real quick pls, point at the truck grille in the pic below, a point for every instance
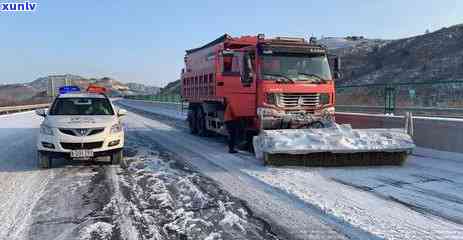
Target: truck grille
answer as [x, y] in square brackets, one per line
[294, 100]
[87, 145]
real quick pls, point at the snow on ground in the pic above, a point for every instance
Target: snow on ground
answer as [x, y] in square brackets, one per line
[98, 230]
[286, 216]
[20, 185]
[420, 200]
[172, 110]
[336, 139]
[155, 198]
[379, 215]
[160, 199]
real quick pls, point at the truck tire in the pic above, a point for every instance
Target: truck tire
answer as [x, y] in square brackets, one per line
[117, 157]
[201, 124]
[192, 122]
[44, 160]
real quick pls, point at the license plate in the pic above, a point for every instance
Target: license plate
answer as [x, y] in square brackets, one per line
[81, 153]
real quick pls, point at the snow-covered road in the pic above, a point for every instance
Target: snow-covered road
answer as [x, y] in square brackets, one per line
[20, 185]
[42, 204]
[156, 197]
[421, 200]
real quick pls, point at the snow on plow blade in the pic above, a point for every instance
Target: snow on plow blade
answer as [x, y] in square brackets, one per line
[339, 145]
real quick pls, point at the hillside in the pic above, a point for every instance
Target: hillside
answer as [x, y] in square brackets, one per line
[173, 88]
[138, 88]
[430, 57]
[36, 91]
[20, 94]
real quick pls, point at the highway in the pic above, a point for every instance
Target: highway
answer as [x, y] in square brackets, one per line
[420, 200]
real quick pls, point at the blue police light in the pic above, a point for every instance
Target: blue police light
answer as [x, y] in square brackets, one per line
[69, 89]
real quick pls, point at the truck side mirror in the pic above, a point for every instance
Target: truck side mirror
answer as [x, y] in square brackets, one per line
[337, 64]
[337, 68]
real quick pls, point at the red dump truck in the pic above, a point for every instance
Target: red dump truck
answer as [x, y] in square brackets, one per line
[271, 83]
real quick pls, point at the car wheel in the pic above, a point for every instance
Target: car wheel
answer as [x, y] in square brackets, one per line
[116, 157]
[44, 160]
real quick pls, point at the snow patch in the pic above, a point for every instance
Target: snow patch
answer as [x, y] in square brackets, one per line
[379, 216]
[214, 236]
[336, 139]
[99, 230]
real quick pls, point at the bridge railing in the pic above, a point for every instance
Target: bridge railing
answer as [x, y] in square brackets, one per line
[167, 98]
[439, 98]
[13, 109]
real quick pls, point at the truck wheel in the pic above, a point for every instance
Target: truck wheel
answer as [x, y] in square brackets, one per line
[44, 160]
[192, 121]
[116, 157]
[201, 123]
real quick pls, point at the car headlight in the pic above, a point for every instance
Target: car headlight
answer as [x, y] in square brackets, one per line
[46, 130]
[324, 98]
[116, 128]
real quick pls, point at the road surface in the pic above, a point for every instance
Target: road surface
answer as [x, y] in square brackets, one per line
[420, 200]
[154, 197]
[179, 186]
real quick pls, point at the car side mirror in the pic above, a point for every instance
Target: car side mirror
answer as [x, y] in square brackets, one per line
[41, 112]
[121, 112]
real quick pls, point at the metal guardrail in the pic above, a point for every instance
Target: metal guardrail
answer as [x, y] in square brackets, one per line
[13, 109]
[429, 98]
[417, 111]
[170, 98]
[445, 134]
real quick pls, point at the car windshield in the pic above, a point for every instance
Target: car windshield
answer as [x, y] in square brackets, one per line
[290, 68]
[81, 106]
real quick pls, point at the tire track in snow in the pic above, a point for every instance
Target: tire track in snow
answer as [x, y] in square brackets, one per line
[293, 215]
[423, 175]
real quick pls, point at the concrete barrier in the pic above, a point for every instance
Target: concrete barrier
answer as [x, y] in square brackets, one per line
[445, 134]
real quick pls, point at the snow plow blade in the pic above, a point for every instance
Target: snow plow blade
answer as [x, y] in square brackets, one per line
[339, 145]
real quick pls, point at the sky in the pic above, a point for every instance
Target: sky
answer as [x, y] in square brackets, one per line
[144, 41]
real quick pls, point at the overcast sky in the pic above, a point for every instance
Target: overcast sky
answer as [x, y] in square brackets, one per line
[144, 41]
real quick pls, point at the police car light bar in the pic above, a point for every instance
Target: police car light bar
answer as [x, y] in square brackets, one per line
[68, 89]
[96, 89]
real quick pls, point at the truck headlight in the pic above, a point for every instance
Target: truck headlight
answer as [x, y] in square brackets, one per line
[271, 98]
[330, 110]
[324, 98]
[46, 130]
[116, 128]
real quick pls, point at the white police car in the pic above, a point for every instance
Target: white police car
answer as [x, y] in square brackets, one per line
[80, 125]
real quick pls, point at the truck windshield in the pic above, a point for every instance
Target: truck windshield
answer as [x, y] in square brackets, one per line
[290, 68]
[81, 106]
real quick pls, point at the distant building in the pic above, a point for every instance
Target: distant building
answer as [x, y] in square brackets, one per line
[57, 81]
